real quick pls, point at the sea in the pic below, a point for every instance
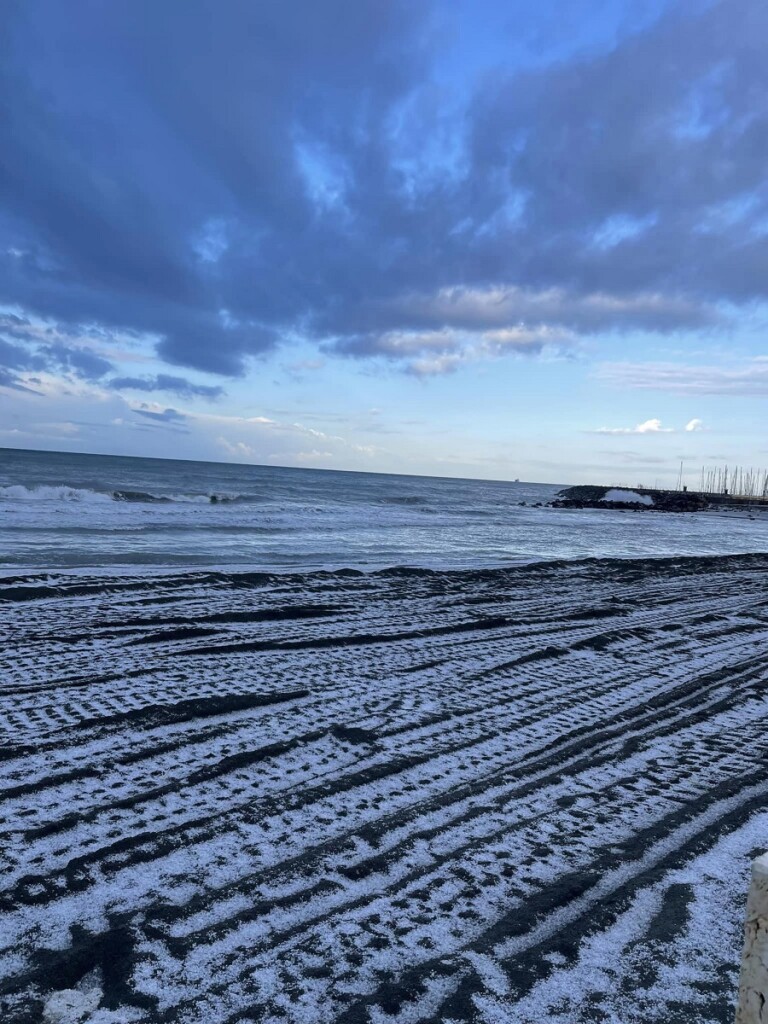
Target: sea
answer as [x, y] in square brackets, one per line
[76, 511]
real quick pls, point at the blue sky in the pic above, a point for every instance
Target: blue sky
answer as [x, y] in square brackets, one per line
[478, 239]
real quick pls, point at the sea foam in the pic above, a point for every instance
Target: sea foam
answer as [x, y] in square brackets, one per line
[43, 492]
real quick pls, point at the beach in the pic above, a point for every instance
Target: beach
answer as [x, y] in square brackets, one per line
[514, 794]
[383, 512]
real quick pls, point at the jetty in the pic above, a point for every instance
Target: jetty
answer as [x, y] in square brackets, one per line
[735, 489]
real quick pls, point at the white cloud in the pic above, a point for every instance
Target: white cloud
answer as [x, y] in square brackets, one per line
[505, 305]
[527, 339]
[434, 333]
[239, 449]
[747, 378]
[434, 366]
[311, 456]
[620, 228]
[258, 439]
[652, 426]
[694, 424]
[301, 366]
[64, 428]
[212, 241]
[431, 353]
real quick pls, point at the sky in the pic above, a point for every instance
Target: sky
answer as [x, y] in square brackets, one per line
[465, 238]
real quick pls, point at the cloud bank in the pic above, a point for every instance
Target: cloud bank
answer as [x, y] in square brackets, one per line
[226, 180]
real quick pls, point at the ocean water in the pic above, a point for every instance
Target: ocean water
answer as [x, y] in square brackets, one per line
[82, 511]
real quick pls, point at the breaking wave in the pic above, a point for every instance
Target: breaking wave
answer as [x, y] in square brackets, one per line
[17, 492]
[63, 492]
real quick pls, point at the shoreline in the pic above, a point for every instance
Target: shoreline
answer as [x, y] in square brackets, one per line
[151, 569]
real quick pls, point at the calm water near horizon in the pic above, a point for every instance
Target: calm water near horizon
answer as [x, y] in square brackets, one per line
[69, 511]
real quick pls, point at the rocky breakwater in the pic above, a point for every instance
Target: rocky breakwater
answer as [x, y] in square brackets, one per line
[639, 500]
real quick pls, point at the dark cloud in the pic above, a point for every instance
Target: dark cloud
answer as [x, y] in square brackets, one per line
[14, 358]
[42, 348]
[17, 357]
[162, 416]
[15, 326]
[81, 362]
[221, 176]
[9, 379]
[165, 382]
